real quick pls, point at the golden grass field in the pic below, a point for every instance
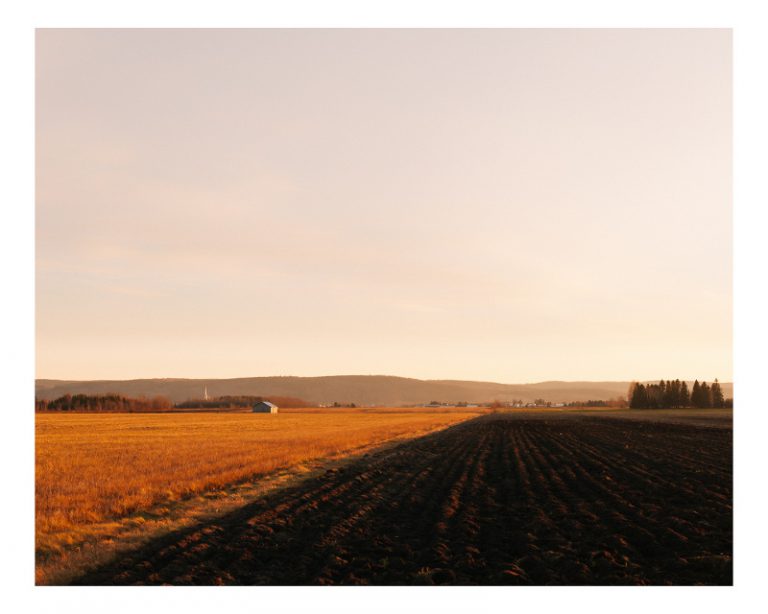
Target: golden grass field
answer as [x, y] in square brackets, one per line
[92, 470]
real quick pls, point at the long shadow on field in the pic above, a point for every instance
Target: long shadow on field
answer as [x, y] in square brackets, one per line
[501, 499]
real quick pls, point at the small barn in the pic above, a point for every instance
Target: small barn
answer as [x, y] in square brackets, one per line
[265, 407]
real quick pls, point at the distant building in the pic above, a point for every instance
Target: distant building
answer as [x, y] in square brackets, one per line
[265, 407]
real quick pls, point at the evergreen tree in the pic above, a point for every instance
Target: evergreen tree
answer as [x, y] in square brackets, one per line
[674, 396]
[631, 392]
[639, 399]
[670, 395]
[685, 397]
[717, 395]
[696, 394]
[656, 396]
[706, 395]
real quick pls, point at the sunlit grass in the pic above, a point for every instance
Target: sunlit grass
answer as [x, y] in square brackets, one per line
[93, 467]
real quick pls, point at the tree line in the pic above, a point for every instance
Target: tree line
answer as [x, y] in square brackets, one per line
[119, 403]
[618, 403]
[241, 402]
[674, 394]
[223, 402]
[104, 403]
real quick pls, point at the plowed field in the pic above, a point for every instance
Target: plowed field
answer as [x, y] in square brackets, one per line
[501, 499]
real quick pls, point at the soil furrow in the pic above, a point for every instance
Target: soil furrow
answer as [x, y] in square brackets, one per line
[501, 499]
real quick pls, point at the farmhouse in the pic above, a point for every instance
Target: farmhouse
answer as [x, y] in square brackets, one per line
[265, 407]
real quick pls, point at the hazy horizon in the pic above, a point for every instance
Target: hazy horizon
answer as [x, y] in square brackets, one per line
[389, 375]
[483, 205]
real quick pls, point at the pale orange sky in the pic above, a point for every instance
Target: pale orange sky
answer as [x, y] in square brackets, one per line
[508, 205]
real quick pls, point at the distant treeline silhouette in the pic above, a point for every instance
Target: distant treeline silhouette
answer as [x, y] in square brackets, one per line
[617, 403]
[119, 403]
[241, 401]
[104, 403]
[674, 394]
[224, 402]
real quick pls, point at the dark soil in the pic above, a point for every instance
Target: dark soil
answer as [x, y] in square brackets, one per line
[501, 499]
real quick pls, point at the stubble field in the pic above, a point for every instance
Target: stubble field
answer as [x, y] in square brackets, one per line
[98, 476]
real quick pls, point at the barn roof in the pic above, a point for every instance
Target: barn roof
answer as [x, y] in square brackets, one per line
[267, 403]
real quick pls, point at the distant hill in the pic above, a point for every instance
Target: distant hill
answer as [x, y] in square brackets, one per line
[359, 389]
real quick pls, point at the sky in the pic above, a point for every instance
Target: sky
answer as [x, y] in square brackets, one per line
[499, 205]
